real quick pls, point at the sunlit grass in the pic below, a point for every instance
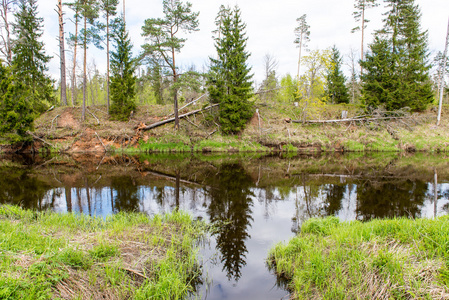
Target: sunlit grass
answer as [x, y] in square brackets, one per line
[46, 255]
[381, 259]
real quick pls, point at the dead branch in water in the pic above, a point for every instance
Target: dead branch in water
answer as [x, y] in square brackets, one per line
[157, 124]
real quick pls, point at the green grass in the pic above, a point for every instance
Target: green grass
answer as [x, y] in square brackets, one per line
[124, 256]
[381, 259]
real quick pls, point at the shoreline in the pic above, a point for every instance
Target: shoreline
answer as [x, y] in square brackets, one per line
[268, 131]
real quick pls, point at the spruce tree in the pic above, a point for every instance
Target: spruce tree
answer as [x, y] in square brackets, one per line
[403, 47]
[336, 88]
[16, 113]
[123, 80]
[29, 59]
[379, 79]
[229, 82]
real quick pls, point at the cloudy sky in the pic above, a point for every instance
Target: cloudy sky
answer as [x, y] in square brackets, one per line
[270, 26]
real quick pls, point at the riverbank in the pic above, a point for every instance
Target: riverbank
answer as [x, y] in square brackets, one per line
[46, 255]
[270, 130]
[380, 259]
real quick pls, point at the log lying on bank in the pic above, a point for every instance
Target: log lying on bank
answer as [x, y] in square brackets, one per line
[190, 103]
[347, 120]
[157, 124]
[39, 139]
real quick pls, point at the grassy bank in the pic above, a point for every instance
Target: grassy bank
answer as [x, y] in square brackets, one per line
[46, 255]
[381, 259]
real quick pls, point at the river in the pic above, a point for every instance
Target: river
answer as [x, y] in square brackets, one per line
[254, 200]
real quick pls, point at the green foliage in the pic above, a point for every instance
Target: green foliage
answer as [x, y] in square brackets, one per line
[163, 41]
[16, 113]
[123, 80]
[29, 59]
[396, 69]
[161, 33]
[337, 92]
[229, 78]
[288, 92]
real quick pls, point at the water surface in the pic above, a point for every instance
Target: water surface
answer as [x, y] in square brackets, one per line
[255, 201]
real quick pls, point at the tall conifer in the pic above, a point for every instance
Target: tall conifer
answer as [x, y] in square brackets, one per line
[230, 79]
[403, 49]
[29, 59]
[336, 88]
[16, 112]
[123, 80]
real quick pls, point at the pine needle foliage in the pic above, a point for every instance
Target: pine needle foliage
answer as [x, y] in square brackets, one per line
[229, 81]
[397, 68]
[16, 113]
[336, 88]
[29, 59]
[123, 81]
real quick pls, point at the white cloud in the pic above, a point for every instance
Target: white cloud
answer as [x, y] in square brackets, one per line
[270, 26]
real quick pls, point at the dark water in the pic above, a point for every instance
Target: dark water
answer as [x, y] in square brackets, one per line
[256, 201]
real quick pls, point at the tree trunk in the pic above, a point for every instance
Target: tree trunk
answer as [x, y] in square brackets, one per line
[83, 114]
[73, 94]
[62, 54]
[124, 12]
[6, 6]
[92, 87]
[363, 35]
[175, 79]
[107, 54]
[299, 60]
[443, 68]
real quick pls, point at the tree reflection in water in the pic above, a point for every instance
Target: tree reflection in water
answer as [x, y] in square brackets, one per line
[126, 194]
[389, 200]
[230, 207]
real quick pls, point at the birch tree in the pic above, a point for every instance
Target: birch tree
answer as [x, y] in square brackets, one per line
[6, 8]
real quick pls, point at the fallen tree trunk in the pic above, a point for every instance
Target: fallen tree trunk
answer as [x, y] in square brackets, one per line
[157, 124]
[347, 120]
[39, 139]
[190, 103]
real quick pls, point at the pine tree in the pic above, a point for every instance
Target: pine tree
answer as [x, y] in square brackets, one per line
[403, 48]
[16, 113]
[302, 33]
[89, 10]
[336, 88]
[123, 80]
[230, 80]
[360, 16]
[163, 41]
[109, 8]
[29, 59]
